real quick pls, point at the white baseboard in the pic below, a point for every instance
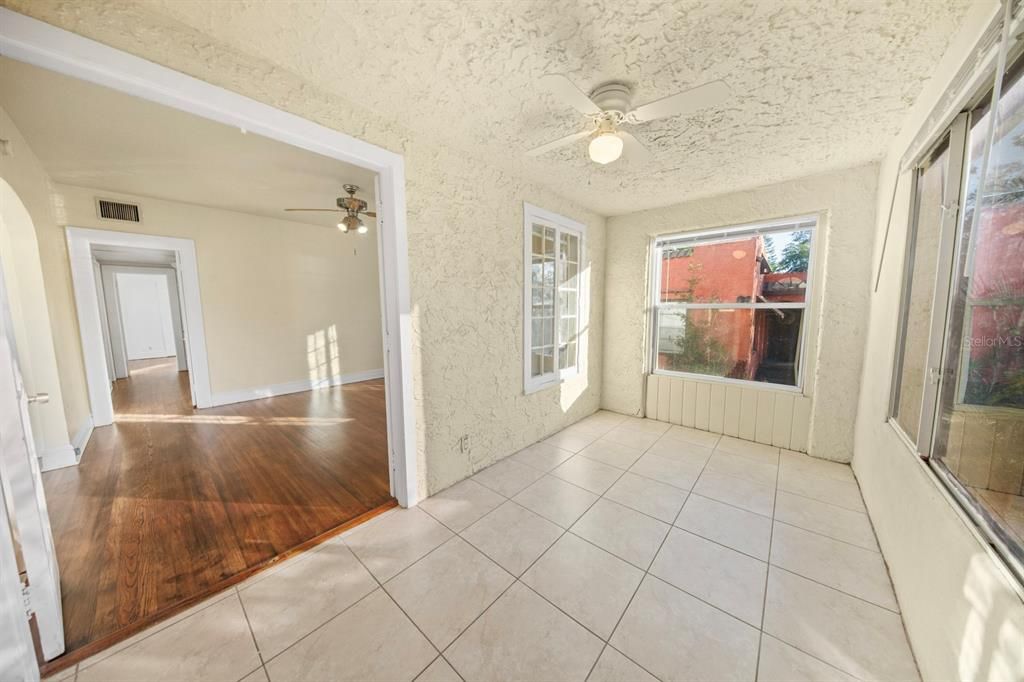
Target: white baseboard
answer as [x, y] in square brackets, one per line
[69, 454]
[58, 458]
[247, 394]
[81, 439]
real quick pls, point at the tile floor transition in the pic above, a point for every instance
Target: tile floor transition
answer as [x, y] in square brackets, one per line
[618, 549]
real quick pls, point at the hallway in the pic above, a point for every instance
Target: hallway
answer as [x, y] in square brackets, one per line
[170, 504]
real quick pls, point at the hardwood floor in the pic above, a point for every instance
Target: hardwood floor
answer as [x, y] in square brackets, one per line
[170, 502]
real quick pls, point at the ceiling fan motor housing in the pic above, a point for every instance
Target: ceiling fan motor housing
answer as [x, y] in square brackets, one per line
[350, 203]
[614, 96]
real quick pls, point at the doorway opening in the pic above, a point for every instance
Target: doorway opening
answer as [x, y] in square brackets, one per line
[211, 462]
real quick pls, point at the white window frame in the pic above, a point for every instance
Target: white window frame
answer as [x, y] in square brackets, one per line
[697, 238]
[535, 215]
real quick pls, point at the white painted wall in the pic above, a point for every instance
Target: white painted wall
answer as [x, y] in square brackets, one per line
[146, 315]
[25, 206]
[283, 302]
[844, 202]
[963, 612]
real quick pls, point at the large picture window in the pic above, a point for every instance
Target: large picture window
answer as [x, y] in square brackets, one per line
[556, 298]
[731, 304]
[958, 390]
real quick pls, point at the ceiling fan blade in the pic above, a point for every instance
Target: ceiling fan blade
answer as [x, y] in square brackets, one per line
[634, 149]
[560, 142]
[564, 89]
[685, 102]
[369, 213]
[327, 210]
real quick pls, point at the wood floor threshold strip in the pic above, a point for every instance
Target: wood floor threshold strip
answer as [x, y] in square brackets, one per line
[78, 655]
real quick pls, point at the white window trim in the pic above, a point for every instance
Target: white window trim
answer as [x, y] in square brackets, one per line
[729, 233]
[531, 215]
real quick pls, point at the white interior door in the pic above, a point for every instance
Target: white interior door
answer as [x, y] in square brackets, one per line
[17, 654]
[23, 492]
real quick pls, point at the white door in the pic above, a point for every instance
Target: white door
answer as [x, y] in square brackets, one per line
[17, 654]
[23, 492]
[146, 315]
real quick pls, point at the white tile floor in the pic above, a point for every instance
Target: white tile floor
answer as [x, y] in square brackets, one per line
[619, 549]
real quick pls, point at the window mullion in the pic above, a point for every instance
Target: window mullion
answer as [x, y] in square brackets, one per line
[556, 332]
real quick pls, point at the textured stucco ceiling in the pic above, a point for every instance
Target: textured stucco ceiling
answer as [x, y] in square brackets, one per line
[818, 84]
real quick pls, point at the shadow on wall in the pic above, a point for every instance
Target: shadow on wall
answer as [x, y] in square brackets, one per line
[987, 624]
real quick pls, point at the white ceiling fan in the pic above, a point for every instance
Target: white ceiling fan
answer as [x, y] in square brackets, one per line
[609, 107]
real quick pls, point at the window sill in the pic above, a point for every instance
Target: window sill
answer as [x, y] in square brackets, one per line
[759, 385]
[550, 383]
[964, 508]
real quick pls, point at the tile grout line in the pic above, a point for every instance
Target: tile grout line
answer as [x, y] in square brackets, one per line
[321, 625]
[518, 579]
[515, 579]
[810, 655]
[154, 629]
[767, 572]
[646, 573]
[384, 590]
[252, 634]
[836, 589]
[827, 536]
[772, 519]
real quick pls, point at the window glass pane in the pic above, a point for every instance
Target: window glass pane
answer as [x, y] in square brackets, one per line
[979, 436]
[923, 249]
[570, 247]
[755, 268]
[548, 357]
[738, 343]
[567, 332]
[542, 296]
[568, 289]
[567, 356]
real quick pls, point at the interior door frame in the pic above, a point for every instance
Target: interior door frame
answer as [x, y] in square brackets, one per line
[90, 323]
[35, 42]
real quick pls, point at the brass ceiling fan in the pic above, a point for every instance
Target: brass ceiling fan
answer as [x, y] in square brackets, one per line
[351, 207]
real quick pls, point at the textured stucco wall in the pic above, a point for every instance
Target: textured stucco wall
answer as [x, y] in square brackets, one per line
[845, 201]
[465, 246]
[963, 611]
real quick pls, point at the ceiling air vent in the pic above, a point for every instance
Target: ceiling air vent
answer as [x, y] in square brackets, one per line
[116, 210]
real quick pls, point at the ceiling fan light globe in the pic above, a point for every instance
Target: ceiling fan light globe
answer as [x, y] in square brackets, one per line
[350, 222]
[362, 229]
[605, 148]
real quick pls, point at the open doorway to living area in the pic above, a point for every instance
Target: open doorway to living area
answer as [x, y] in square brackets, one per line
[221, 357]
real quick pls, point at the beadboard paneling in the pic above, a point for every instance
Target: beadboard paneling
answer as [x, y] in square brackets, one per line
[779, 418]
